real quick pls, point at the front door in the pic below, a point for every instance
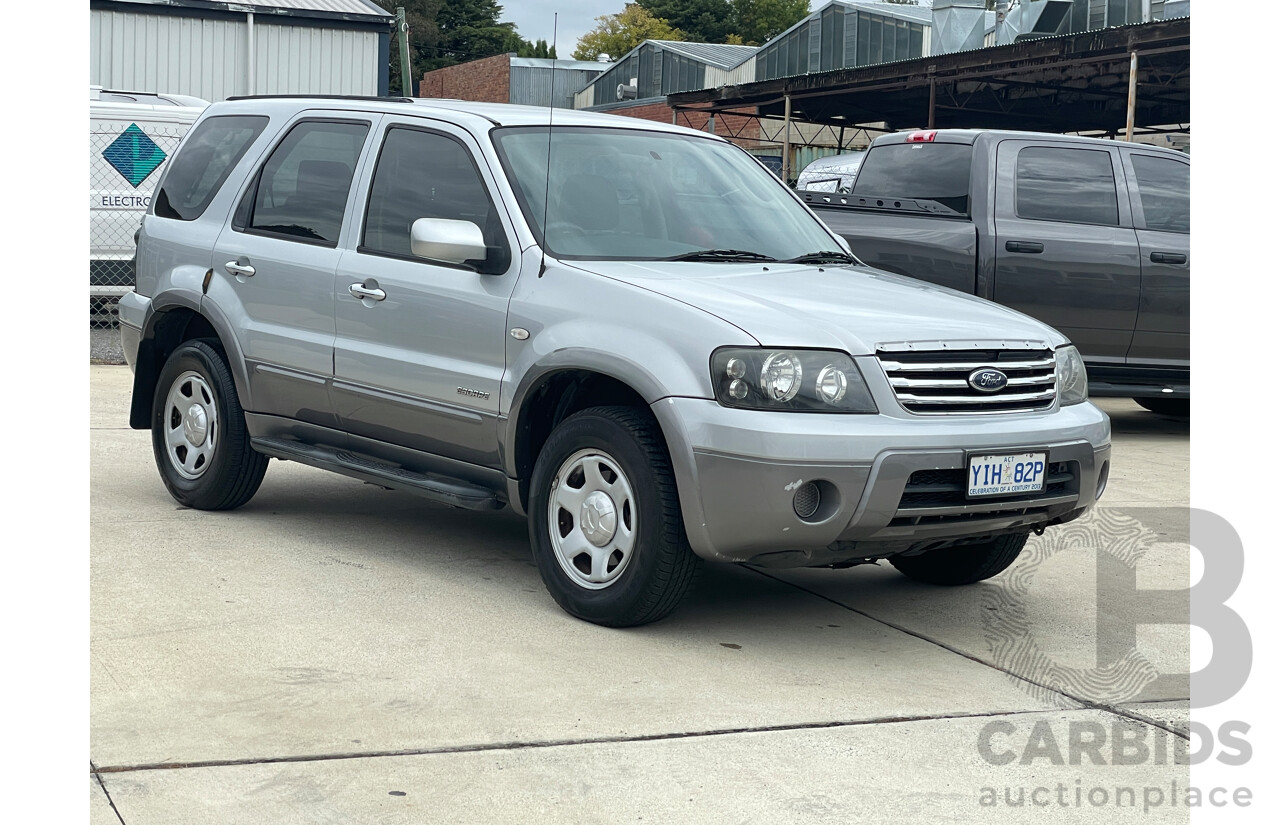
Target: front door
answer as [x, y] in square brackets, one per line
[1066, 251]
[421, 344]
[1162, 212]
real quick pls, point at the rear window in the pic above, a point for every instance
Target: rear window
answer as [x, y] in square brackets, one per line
[937, 172]
[206, 158]
[1165, 189]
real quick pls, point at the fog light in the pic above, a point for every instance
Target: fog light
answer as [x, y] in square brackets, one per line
[807, 500]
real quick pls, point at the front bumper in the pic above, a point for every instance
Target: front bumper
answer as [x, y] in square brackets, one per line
[738, 472]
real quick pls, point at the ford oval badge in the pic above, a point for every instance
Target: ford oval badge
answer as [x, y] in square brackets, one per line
[987, 379]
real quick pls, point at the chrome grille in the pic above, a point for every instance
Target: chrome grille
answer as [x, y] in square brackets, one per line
[936, 382]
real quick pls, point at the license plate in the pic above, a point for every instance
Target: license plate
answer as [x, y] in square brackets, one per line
[1006, 475]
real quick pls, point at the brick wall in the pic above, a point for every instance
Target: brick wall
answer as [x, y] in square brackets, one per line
[487, 80]
[744, 131]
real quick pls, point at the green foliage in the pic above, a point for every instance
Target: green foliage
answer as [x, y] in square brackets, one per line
[446, 32]
[617, 34]
[756, 21]
[701, 21]
[539, 49]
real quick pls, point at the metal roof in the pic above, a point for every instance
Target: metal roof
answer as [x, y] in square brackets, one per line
[328, 8]
[1066, 83]
[560, 65]
[720, 55]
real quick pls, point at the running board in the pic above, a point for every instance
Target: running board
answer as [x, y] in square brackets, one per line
[430, 485]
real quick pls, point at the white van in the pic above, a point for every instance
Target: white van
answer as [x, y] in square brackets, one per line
[131, 135]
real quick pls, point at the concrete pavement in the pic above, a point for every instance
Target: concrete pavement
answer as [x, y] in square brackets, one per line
[330, 643]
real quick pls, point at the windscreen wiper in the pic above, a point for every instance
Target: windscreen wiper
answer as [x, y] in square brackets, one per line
[728, 255]
[824, 257]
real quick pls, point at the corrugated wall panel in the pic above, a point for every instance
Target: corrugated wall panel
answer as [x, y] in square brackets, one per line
[208, 58]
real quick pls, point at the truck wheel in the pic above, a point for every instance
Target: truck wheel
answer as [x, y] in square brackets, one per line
[962, 565]
[198, 432]
[605, 522]
[1179, 407]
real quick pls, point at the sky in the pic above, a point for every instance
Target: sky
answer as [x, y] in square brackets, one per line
[534, 19]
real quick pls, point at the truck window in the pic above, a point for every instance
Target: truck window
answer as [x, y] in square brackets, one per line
[1164, 189]
[301, 192]
[1068, 185]
[426, 175]
[937, 172]
[205, 160]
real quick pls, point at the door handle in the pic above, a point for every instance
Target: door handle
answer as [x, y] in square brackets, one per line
[1029, 247]
[240, 270]
[1168, 258]
[361, 291]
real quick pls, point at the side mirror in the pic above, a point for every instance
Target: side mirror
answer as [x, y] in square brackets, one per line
[450, 241]
[844, 243]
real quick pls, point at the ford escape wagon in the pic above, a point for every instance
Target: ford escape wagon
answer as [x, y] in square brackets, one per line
[630, 332]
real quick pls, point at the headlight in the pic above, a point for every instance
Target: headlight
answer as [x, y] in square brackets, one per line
[797, 380]
[1073, 383]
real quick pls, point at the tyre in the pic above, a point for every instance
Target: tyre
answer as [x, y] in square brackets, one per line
[604, 519]
[962, 565]
[198, 432]
[1180, 407]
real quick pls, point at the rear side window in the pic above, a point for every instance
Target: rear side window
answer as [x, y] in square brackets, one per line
[301, 192]
[1164, 187]
[207, 157]
[937, 172]
[1067, 185]
[427, 175]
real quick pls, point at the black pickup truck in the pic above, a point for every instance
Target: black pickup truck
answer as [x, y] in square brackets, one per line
[1091, 236]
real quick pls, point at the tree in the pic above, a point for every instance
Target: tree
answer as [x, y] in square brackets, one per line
[446, 32]
[539, 49]
[701, 21]
[617, 34]
[756, 21]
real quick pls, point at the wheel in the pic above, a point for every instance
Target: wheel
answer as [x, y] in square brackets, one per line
[962, 565]
[605, 522]
[198, 432]
[1180, 407]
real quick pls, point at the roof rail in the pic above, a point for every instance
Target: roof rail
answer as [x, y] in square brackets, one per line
[323, 97]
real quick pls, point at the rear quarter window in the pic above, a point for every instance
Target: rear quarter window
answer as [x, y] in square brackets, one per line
[206, 158]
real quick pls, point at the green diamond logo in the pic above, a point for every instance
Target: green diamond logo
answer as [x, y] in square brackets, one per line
[134, 155]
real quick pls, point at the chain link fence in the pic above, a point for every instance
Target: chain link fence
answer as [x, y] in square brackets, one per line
[118, 196]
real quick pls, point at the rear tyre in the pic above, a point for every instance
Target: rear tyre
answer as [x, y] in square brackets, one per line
[198, 432]
[1179, 407]
[604, 519]
[962, 565]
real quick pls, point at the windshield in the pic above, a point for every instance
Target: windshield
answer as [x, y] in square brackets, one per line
[937, 172]
[644, 195]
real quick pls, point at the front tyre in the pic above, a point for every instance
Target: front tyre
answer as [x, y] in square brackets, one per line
[604, 519]
[198, 432]
[962, 565]
[1176, 407]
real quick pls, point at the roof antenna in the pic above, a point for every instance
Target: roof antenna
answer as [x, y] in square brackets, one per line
[551, 111]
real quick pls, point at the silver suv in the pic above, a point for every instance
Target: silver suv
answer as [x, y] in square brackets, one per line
[630, 332]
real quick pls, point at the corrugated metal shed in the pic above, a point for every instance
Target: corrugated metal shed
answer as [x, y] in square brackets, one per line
[720, 55]
[216, 50]
[539, 81]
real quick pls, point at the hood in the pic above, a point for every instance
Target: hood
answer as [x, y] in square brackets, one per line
[850, 308]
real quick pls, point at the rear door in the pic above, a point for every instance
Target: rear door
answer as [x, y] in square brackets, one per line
[1066, 251]
[277, 257]
[1161, 186]
[421, 344]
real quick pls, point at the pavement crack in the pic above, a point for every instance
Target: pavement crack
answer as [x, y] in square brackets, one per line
[98, 776]
[1084, 702]
[558, 743]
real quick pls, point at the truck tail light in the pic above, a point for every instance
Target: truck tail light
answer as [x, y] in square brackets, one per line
[922, 137]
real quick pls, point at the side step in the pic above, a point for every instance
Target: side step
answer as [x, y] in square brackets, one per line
[430, 485]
